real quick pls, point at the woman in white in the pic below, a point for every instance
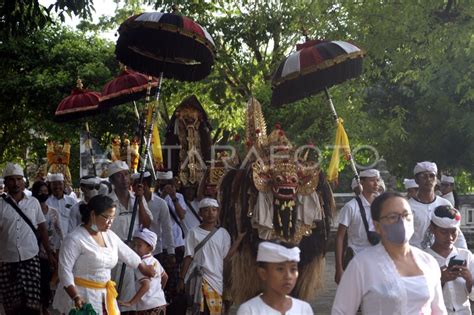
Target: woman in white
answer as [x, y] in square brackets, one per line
[391, 277]
[86, 258]
[457, 264]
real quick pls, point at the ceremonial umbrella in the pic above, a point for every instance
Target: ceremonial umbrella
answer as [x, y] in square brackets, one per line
[158, 43]
[80, 103]
[165, 45]
[129, 86]
[314, 67]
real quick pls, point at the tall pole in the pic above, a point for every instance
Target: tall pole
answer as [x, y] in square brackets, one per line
[142, 168]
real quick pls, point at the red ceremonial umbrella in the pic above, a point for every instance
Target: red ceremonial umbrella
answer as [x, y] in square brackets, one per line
[314, 67]
[127, 87]
[80, 103]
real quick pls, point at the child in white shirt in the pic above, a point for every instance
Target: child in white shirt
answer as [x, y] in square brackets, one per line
[150, 297]
[277, 267]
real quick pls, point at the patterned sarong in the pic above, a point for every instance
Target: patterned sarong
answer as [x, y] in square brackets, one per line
[160, 310]
[212, 298]
[20, 285]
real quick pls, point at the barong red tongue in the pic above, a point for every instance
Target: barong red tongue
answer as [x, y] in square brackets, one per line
[275, 253]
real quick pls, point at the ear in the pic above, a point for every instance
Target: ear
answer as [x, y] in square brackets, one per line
[378, 227]
[262, 273]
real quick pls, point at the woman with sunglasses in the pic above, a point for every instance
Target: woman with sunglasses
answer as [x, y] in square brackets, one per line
[87, 257]
[392, 277]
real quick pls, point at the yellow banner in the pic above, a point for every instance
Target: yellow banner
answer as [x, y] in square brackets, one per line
[341, 143]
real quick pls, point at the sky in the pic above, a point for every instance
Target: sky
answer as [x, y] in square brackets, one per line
[102, 7]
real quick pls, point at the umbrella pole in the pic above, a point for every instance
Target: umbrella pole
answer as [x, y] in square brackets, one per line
[91, 151]
[336, 118]
[142, 168]
[149, 157]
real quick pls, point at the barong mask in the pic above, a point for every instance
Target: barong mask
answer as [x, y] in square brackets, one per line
[285, 178]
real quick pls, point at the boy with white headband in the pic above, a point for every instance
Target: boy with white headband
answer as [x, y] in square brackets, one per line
[457, 264]
[150, 298]
[277, 267]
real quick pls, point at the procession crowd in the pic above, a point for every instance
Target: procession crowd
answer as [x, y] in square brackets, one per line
[405, 253]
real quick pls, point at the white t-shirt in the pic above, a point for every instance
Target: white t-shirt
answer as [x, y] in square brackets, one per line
[211, 255]
[64, 206]
[161, 225]
[449, 197]
[256, 306]
[177, 231]
[350, 217]
[155, 296]
[422, 220]
[190, 219]
[454, 292]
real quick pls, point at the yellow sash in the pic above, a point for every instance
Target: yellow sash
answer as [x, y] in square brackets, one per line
[109, 286]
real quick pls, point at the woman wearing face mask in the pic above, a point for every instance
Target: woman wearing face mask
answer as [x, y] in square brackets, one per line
[391, 277]
[87, 257]
[40, 191]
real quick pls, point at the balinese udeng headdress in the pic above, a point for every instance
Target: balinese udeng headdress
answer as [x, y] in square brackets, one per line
[445, 222]
[276, 253]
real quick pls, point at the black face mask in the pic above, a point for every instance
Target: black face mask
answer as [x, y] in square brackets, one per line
[42, 198]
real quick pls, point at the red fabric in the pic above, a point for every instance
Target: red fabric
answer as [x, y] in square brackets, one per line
[190, 25]
[126, 80]
[309, 43]
[79, 100]
[309, 57]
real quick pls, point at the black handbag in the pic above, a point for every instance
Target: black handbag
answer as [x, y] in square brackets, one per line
[373, 237]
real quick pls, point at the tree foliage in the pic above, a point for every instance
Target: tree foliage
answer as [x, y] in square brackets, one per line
[413, 102]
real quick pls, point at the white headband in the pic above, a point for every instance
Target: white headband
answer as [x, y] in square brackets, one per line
[117, 166]
[447, 223]
[164, 175]
[447, 179]
[90, 181]
[13, 169]
[275, 253]
[370, 173]
[57, 177]
[137, 175]
[147, 236]
[208, 202]
[425, 167]
[410, 183]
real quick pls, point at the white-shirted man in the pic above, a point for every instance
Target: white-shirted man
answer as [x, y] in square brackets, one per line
[124, 199]
[424, 203]
[59, 200]
[351, 221]
[411, 187]
[161, 223]
[19, 262]
[447, 189]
